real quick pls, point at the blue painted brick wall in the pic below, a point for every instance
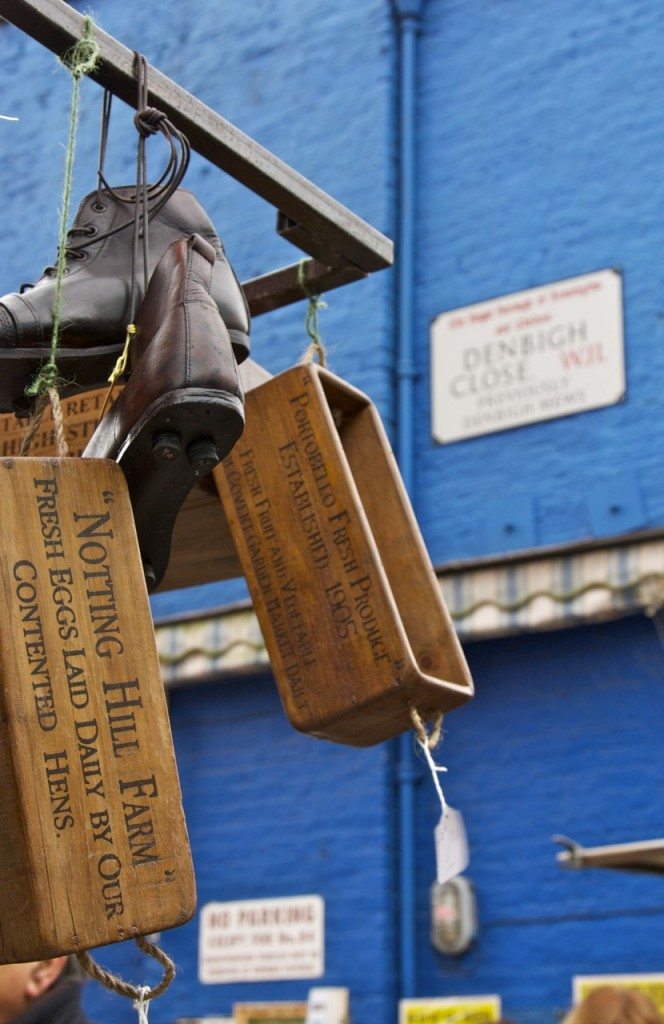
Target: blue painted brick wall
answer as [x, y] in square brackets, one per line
[563, 736]
[273, 813]
[540, 157]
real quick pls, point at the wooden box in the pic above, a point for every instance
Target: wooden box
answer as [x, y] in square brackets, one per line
[93, 843]
[352, 615]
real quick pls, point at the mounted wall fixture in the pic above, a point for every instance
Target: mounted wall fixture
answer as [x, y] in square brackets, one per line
[453, 916]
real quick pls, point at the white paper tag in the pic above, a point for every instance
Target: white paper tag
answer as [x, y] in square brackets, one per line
[451, 845]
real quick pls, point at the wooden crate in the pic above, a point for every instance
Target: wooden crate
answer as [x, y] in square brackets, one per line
[350, 608]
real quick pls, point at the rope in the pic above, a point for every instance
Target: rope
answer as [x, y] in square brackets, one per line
[79, 61]
[58, 420]
[33, 426]
[53, 397]
[427, 740]
[315, 346]
[139, 993]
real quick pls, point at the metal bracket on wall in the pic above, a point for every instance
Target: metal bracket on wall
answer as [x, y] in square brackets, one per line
[345, 248]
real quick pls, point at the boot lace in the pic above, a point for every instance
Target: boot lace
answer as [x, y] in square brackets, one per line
[73, 252]
[147, 199]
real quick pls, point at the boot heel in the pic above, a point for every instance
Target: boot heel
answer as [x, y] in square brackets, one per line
[178, 440]
[167, 447]
[203, 456]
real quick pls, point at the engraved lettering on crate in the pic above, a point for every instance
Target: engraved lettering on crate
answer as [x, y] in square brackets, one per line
[92, 708]
[311, 561]
[81, 413]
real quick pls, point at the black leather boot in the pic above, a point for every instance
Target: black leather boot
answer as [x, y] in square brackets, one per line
[182, 408]
[96, 294]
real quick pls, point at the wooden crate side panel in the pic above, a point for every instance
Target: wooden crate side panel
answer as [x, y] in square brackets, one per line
[428, 624]
[89, 739]
[339, 645]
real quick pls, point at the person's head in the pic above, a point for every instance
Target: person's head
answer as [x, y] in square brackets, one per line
[608, 1005]
[21, 984]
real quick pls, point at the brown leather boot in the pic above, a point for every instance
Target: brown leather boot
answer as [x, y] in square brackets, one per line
[182, 408]
[96, 293]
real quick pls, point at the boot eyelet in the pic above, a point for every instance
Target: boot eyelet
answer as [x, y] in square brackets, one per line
[98, 207]
[91, 229]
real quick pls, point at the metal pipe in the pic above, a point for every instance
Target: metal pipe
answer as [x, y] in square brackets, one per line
[408, 15]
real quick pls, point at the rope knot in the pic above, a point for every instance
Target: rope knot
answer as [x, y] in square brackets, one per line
[149, 121]
[47, 378]
[426, 739]
[83, 57]
[314, 303]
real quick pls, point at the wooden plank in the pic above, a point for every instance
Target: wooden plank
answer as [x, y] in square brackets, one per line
[349, 606]
[282, 287]
[93, 843]
[303, 239]
[57, 26]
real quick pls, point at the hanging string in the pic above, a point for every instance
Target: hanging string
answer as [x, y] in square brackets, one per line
[315, 346]
[428, 742]
[79, 61]
[142, 1005]
[146, 121]
[118, 370]
[141, 994]
[147, 200]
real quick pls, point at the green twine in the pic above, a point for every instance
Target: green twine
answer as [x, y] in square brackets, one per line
[80, 60]
[311, 318]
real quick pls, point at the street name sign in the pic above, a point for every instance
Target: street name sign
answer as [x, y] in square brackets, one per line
[527, 357]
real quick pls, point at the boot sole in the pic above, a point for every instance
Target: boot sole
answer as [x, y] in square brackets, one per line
[80, 369]
[196, 421]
